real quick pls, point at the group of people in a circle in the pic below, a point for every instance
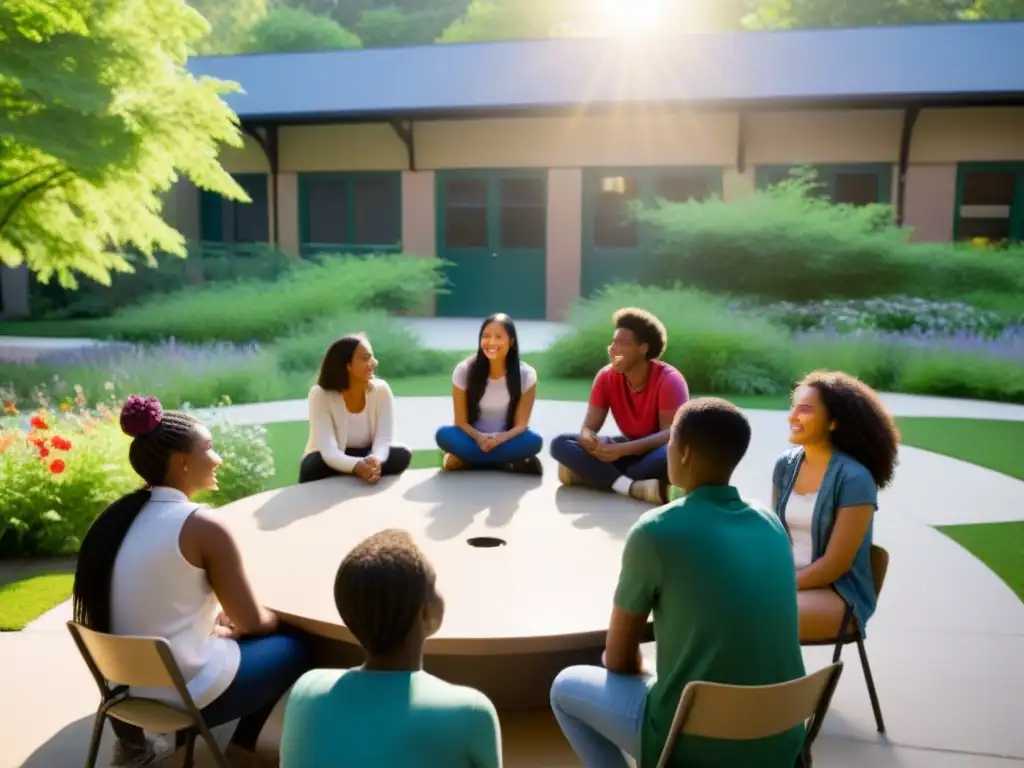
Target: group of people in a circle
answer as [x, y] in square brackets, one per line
[734, 586]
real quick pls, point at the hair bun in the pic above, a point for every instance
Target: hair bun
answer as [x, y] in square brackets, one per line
[141, 416]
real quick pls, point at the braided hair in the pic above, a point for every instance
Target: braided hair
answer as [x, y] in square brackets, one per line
[156, 436]
[381, 588]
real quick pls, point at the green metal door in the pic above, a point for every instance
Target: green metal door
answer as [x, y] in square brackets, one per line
[615, 247]
[492, 229]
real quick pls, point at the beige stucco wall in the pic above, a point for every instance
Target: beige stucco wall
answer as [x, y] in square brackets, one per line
[341, 148]
[836, 136]
[964, 135]
[931, 201]
[287, 212]
[419, 222]
[565, 240]
[246, 159]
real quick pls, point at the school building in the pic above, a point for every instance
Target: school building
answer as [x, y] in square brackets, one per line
[514, 160]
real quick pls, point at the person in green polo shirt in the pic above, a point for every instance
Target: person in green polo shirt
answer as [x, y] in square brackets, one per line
[388, 712]
[717, 572]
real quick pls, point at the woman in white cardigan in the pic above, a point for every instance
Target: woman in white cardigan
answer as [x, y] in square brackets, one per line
[351, 418]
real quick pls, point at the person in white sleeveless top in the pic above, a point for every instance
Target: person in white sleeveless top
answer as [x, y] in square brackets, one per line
[493, 393]
[351, 418]
[156, 564]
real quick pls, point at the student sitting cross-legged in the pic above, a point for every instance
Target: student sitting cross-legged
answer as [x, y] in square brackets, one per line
[493, 394]
[351, 418]
[716, 570]
[388, 712]
[643, 395]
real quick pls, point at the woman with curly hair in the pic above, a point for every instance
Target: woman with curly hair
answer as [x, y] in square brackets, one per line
[826, 494]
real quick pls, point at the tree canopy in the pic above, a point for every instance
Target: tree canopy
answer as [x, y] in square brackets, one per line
[294, 29]
[98, 118]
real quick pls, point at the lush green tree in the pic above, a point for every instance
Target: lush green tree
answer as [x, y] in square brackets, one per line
[230, 22]
[530, 19]
[98, 119]
[391, 26]
[293, 29]
[778, 14]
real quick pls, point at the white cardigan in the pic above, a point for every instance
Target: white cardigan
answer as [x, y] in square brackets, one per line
[328, 425]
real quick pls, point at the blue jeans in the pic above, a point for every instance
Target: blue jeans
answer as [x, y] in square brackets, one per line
[600, 713]
[567, 451]
[458, 443]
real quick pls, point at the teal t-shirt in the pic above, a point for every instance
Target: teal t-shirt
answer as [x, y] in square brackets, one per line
[361, 719]
[717, 572]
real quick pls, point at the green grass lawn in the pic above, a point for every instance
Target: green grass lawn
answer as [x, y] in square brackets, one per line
[26, 597]
[1000, 546]
[993, 444]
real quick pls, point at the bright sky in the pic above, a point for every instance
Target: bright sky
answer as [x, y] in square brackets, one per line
[632, 17]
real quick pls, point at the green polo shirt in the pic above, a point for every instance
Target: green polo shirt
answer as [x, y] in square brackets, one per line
[362, 719]
[717, 572]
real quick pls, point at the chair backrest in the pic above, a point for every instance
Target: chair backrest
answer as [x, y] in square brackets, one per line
[740, 712]
[133, 661]
[879, 566]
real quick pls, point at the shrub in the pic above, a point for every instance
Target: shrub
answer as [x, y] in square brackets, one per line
[176, 373]
[253, 311]
[60, 468]
[717, 349]
[784, 243]
[897, 314]
[399, 351]
[206, 263]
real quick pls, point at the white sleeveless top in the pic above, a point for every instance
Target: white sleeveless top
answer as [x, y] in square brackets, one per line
[156, 592]
[799, 514]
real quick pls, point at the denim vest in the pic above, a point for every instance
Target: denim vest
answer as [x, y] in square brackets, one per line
[847, 483]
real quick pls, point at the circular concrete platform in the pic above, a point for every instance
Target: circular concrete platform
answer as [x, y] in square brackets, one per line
[528, 568]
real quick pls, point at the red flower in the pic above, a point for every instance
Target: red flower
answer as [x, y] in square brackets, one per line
[58, 466]
[61, 443]
[38, 442]
[38, 422]
[44, 452]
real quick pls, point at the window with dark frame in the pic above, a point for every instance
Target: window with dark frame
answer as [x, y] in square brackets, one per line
[613, 227]
[523, 213]
[357, 209]
[988, 203]
[839, 185]
[465, 213]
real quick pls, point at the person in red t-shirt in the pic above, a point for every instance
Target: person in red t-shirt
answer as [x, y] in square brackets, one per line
[643, 395]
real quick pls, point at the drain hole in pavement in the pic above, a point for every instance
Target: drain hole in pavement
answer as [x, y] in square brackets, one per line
[485, 542]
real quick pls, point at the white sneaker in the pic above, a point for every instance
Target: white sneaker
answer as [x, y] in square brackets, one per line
[647, 490]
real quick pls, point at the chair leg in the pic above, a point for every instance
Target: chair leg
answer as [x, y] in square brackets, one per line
[875, 706]
[190, 749]
[97, 735]
[218, 754]
[838, 651]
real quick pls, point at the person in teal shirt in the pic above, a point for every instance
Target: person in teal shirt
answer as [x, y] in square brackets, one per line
[717, 572]
[388, 712]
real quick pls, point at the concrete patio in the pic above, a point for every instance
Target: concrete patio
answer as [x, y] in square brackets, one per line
[946, 645]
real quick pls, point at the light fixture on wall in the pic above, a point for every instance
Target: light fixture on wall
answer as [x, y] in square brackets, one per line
[613, 185]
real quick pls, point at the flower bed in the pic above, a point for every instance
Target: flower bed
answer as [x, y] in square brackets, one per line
[64, 462]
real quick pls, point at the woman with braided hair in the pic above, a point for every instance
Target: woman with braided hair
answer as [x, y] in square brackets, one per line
[156, 564]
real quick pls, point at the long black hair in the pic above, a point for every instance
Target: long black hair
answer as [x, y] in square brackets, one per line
[157, 435]
[480, 368]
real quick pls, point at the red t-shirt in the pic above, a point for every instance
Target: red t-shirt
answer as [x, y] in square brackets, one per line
[636, 413]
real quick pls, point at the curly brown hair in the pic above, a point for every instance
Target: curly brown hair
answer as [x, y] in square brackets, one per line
[864, 428]
[647, 329]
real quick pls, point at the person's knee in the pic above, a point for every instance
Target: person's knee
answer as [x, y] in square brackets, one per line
[401, 458]
[447, 438]
[533, 443]
[565, 686]
[562, 448]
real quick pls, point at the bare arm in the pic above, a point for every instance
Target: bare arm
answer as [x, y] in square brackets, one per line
[649, 443]
[462, 413]
[593, 422]
[622, 647]
[523, 412]
[847, 535]
[207, 543]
